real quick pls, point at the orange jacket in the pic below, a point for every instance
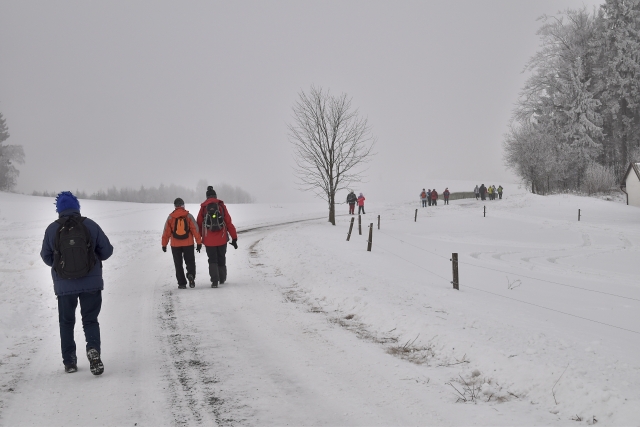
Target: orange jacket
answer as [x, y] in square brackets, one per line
[216, 238]
[171, 223]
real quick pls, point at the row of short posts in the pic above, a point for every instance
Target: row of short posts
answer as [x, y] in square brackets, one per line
[370, 240]
[359, 226]
[454, 256]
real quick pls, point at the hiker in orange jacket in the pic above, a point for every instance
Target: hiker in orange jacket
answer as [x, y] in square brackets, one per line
[423, 198]
[182, 230]
[215, 235]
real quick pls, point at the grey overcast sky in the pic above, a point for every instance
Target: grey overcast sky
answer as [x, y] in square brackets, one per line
[131, 93]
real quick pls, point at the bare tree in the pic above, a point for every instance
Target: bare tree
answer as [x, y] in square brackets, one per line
[330, 142]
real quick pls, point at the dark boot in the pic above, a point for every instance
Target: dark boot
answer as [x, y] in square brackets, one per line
[214, 273]
[95, 363]
[222, 273]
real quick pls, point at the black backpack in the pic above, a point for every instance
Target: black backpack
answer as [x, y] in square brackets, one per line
[73, 254]
[213, 217]
[181, 228]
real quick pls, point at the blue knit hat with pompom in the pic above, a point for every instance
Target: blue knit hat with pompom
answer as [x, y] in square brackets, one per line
[66, 200]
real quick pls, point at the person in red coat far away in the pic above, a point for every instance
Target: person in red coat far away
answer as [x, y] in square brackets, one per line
[434, 197]
[446, 195]
[360, 204]
[216, 226]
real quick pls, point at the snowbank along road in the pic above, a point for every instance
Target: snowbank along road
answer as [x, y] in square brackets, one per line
[313, 330]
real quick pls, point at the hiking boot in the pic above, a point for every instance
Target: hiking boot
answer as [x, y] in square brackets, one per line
[192, 280]
[95, 364]
[71, 368]
[222, 274]
[182, 286]
[214, 284]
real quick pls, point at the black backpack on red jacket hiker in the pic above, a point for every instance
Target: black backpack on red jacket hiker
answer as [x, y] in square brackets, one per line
[213, 217]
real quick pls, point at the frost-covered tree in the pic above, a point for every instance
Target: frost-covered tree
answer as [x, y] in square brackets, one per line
[529, 152]
[584, 93]
[616, 49]
[9, 156]
[557, 92]
[598, 178]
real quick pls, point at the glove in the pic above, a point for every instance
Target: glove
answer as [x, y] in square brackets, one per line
[198, 247]
[234, 243]
[164, 249]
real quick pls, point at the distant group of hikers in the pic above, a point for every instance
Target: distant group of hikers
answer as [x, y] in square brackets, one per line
[483, 192]
[430, 197]
[75, 246]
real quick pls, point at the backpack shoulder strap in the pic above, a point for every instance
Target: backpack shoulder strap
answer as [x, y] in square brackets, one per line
[87, 233]
[56, 241]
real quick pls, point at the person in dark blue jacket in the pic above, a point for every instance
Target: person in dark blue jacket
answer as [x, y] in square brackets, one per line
[86, 289]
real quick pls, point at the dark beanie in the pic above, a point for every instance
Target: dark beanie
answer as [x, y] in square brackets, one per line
[66, 200]
[178, 202]
[211, 192]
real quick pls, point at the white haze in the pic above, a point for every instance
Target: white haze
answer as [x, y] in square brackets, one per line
[142, 93]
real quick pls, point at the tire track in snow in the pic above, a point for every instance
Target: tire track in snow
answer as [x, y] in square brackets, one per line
[192, 399]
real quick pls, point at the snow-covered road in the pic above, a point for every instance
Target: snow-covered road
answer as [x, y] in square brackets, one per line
[312, 330]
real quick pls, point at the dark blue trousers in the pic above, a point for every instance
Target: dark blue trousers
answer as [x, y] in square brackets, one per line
[90, 304]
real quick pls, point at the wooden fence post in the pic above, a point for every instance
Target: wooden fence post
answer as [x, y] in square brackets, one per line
[484, 215]
[416, 217]
[350, 228]
[359, 225]
[370, 237]
[454, 266]
[578, 214]
[378, 222]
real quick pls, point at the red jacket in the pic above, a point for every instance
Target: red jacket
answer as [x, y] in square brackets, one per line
[216, 238]
[434, 195]
[171, 223]
[361, 201]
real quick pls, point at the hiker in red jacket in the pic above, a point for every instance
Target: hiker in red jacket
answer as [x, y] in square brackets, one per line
[360, 204]
[215, 225]
[434, 197]
[182, 230]
[446, 195]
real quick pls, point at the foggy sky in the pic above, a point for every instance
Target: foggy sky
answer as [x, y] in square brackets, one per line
[131, 93]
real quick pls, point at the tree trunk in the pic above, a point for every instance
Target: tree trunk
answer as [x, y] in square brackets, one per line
[332, 209]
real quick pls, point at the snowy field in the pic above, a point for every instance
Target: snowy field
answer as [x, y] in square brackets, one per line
[313, 330]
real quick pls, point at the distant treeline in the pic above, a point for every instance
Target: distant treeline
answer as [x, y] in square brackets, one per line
[162, 194]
